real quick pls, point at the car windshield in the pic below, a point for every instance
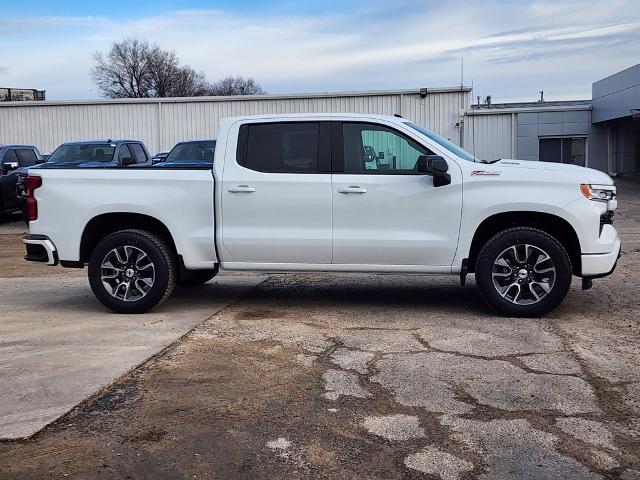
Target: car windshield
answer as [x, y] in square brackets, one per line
[192, 152]
[86, 152]
[452, 147]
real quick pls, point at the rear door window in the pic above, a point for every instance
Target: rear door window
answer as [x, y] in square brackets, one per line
[26, 157]
[281, 147]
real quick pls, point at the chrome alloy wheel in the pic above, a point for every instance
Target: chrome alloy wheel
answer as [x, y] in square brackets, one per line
[127, 273]
[523, 274]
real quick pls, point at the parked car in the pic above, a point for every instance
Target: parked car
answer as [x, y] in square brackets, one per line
[99, 154]
[159, 157]
[89, 154]
[14, 159]
[292, 193]
[191, 154]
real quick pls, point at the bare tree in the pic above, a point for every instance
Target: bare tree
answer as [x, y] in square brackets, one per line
[189, 83]
[164, 68]
[124, 71]
[236, 86]
[134, 69]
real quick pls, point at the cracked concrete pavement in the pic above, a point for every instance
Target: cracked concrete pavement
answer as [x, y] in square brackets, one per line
[375, 376]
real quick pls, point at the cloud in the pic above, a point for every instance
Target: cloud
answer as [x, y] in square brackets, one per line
[18, 25]
[3, 70]
[511, 49]
[526, 45]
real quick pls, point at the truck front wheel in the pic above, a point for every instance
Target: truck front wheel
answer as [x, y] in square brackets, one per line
[523, 272]
[131, 271]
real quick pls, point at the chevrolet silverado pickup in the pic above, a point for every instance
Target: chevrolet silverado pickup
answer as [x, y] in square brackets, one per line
[333, 193]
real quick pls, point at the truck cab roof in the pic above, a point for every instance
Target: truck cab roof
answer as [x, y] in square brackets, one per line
[17, 145]
[105, 142]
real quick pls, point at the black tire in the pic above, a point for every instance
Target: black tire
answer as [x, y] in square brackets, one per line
[509, 274]
[163, 270]
[193, 278]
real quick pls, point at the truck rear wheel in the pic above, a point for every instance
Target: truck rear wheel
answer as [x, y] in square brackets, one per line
[132, 271]
[523, 272]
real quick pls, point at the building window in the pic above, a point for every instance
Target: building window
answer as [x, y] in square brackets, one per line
[571, 150]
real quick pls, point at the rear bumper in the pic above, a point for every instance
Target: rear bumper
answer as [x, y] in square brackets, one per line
[601, 264]
[40, 249]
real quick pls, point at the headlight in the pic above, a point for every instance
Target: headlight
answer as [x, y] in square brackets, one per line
[599, 194]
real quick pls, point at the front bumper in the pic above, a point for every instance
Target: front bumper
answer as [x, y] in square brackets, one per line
[603, 264]
[40, 249]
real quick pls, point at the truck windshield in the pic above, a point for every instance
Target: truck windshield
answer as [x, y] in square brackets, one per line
[99, 152]
[192, 152]
[452, 147]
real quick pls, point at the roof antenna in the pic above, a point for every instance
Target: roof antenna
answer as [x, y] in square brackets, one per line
[473, 137]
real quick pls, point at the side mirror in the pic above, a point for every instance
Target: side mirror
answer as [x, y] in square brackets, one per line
[9, 166]
[126, 161]
[437, 167]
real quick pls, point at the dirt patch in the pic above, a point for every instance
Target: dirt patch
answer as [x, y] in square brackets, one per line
[209, 410]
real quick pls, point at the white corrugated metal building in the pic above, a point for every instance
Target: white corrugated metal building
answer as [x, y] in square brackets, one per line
[162, 122]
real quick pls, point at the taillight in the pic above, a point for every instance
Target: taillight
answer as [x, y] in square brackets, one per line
[31, 185]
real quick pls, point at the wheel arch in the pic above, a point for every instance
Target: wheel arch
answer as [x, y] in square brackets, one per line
[102, 225]
[554, 225]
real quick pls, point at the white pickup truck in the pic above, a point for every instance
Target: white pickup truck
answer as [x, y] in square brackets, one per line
[333, 193]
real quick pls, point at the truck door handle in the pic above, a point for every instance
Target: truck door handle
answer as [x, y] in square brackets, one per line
[352, 189]
[241, 189]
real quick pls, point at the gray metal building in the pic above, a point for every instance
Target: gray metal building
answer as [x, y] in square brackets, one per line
[600, 133]
[162, 122]
[616, 100]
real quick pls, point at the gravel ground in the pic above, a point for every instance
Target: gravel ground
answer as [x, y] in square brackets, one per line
[373, 376]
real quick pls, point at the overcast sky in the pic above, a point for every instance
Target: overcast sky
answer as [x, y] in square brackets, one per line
[511, 49]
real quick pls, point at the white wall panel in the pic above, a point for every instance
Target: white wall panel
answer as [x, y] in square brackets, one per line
[161, 123]
[489, 136]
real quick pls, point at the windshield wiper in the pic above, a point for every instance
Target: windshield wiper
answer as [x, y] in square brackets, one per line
[490, 161]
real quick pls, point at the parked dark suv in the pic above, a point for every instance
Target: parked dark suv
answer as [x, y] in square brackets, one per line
[14, 160]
